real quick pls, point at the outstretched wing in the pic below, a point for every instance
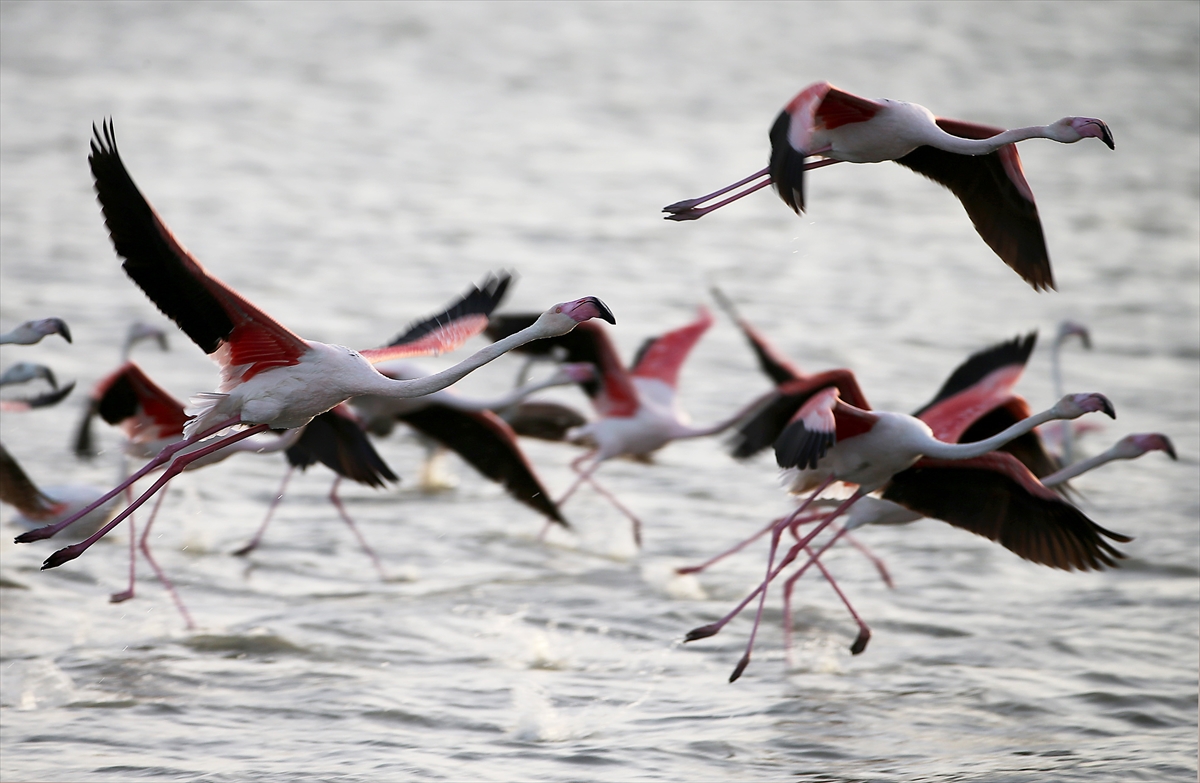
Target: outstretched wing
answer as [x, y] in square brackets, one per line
[996, 497]
[337, 441]
[982, 383]
[243, 339]
[993, 190]
[127, 398]
[662, 357]
[489, 445]
[17, 490]
[764, 426]
[464, 318]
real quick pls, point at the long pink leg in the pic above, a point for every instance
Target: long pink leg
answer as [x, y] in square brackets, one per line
[337, 503]
[637, 523]
[686, 204]
[125, 595]
[880, 566]
[575, 463]
[580, 477]
[688, 210]
[737, 548]
[838, 532]
[711, 629]
[177, 465]
[163, 456]
[696, 213]
[864, 633]
[788, 558]
[254, 542]
[162, 575]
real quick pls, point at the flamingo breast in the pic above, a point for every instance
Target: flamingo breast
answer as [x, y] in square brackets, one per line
[892, 133]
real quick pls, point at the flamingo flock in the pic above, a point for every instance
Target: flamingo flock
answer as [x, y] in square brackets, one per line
[976, 456]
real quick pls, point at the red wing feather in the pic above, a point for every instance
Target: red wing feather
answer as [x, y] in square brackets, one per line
[951, 417]
[664, 357]
[839, 108]
[444, 338]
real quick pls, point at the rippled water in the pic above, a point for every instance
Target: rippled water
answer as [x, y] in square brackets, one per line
[351, 167]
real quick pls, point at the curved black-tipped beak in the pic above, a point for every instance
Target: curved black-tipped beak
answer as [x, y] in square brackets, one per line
[602, 310]
[1107, 407]
[61, 328]
[1169, 447]
[1106, 135]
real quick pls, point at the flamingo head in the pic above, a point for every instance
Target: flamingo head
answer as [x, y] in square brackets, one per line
[1071, 129]
[48, 326]
[139, 331]
[23, 372]
[1072, 329]
[1075, 405]
[1137, 445]
[565, 316]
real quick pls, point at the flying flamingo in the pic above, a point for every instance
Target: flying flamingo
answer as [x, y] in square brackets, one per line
[829, 440]
[981, 402]
[24, 372]
[638, 409]
[32, 332]
[271, 378]
[978, 163]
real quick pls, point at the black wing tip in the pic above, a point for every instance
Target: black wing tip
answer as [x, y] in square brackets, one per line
[799, 447]
[982, 363]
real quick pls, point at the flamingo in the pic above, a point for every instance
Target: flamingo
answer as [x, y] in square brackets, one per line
[271, 378]
[978, 395]
[638, 409]
[978, 163]
[32, 332]
[24, 372]
[830, 441]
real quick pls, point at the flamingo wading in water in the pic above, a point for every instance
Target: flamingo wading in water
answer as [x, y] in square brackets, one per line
[978, 163]
[270, 377]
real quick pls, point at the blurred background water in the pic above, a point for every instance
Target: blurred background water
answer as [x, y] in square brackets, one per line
[348, 167]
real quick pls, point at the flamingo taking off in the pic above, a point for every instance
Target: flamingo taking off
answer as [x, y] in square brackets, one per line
[829, 440]
[638, 409]
[32, 332]
[978, 163]
[270, 377]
